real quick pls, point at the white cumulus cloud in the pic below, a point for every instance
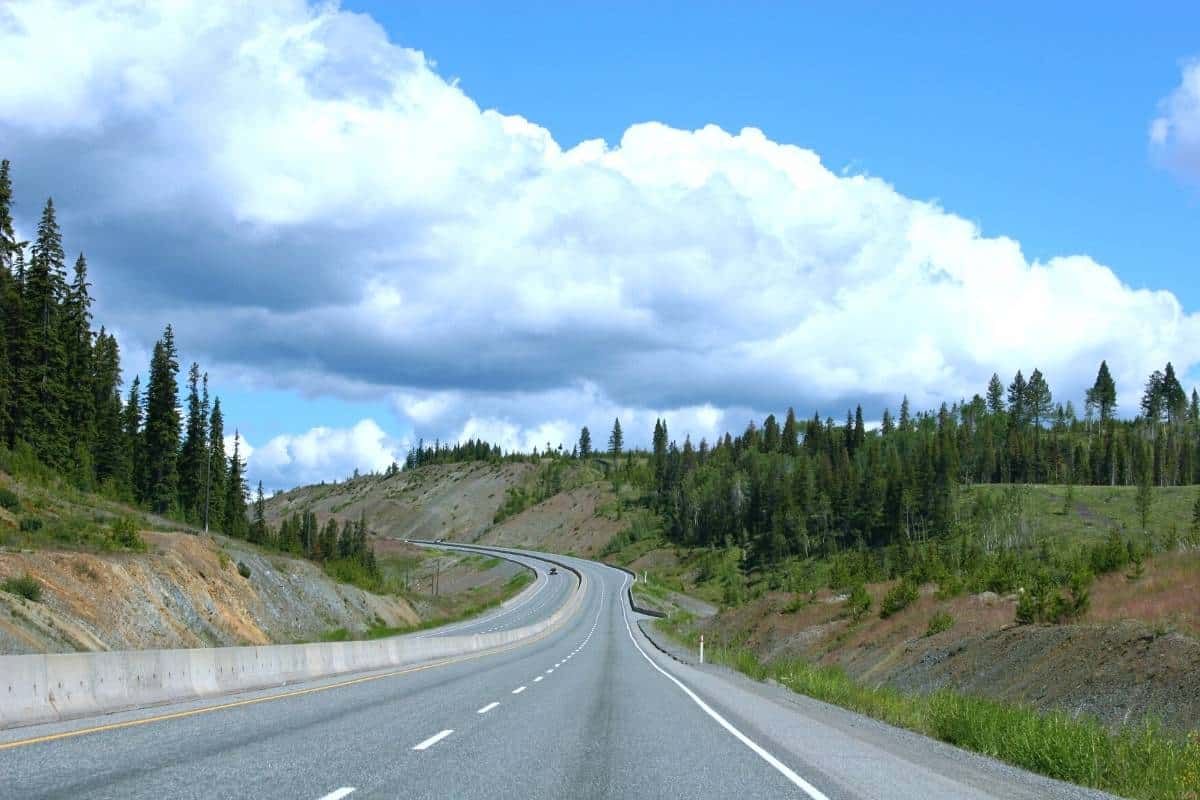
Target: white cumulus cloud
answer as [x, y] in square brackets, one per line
[313, 205]
[320, 454]
[1175, 133]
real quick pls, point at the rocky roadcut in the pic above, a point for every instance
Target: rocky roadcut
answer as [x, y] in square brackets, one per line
[186, 591]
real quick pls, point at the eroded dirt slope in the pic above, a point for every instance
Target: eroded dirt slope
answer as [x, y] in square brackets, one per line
[454, 501]
[1115, 663]
[186, 591]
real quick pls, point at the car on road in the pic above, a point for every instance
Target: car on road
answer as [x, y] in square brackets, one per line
[554, 570]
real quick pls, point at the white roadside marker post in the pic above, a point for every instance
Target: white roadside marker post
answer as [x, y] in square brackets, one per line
[702, 648]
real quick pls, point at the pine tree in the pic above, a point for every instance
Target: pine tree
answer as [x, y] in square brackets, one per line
[10, 309]
[995, 396]
[905, 419]
[1174, 399]
[1102, 397]
[132, 441]
[1153, 405]
[8, 235]
[193, 456]
[235, 494]
[45, 423]
[216, 470]
[660, 461]
[258, 531]
[790, 437]
[1016, 401]
[80, 394]
[585, 443]
[616, 441]
[112, 467]
[161, 436]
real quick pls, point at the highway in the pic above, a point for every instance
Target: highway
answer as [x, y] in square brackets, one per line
[592, 709]
[539, 600]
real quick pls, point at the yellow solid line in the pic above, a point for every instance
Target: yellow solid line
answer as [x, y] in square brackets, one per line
[253, 700]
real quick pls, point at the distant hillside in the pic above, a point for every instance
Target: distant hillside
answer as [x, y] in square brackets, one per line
[454, 501]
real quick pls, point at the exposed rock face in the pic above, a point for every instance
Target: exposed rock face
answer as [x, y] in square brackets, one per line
[184, 592]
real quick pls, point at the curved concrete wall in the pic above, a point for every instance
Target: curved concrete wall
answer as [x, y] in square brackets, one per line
[53, 687]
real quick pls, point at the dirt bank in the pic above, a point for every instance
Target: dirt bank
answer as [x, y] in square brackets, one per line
[186, 591]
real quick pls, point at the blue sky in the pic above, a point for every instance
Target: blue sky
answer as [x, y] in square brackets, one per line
[376, 222]
[1030, 120]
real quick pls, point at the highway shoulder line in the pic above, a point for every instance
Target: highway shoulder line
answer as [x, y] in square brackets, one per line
[813, 792]
[250, 701]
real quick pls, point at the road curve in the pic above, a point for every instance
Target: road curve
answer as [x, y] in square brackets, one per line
[590, 710]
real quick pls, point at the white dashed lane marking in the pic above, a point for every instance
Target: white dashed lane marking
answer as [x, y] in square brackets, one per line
[487, 708]
[432, 740]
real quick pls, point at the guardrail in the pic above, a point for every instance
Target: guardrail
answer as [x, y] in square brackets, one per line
[650, 612]
[59, 686]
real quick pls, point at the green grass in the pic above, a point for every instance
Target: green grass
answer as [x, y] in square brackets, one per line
[1137, 761]
[25, 586]
[1097, 509]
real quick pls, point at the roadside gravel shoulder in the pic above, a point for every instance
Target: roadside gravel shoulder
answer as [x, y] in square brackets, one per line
[888, 761]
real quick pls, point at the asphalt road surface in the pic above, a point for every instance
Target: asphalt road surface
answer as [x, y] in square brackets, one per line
[590, 710]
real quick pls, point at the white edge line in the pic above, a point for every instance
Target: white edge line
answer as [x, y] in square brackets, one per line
[806, 787]
[518, 690]
[338, 794]
[487, 708]
[538, 678]
[432, 740]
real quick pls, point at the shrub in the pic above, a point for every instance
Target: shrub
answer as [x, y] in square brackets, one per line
[859, 602]
[898, 598]
[243, 570]
[941, 621]
[125, 534]
[30, 524]
[9, 499]
[26, 586]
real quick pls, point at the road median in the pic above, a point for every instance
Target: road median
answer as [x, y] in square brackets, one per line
[55, 687]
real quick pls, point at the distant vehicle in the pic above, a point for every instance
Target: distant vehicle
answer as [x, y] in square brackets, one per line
[554, 570]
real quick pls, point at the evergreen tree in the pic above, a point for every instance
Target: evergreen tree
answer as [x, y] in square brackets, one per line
[995, 396]
[193, 456]
[216, 469]
[1102, 397]
[80, 398]
[905, 418]
[45, 422]
[1153, 405]
[10, 309]
[585, 443]
[616, 441]
[162, 427]
[111, 455]
[258, 531]
[1039, 403]
[234, 514]
[791, 434]
[133, 457]
[1174, 399]
[1017, 393]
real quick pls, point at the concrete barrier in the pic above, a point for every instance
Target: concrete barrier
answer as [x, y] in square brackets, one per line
[59, 686]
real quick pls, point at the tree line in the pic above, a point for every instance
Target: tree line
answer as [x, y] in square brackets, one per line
[817, 487]
[62, 403]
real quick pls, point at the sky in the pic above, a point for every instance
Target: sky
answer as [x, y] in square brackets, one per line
[376, 222]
